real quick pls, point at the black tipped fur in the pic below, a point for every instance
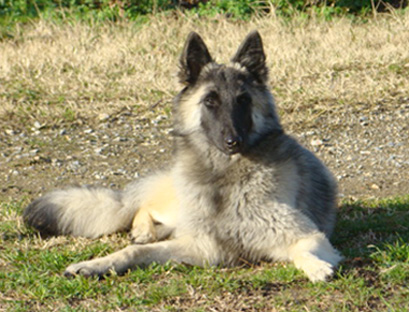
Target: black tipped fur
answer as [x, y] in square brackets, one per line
[79, 211]
[251, 55]
[41, 215]
[194, 57]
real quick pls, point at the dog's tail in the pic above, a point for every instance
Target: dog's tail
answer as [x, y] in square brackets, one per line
[80, 211]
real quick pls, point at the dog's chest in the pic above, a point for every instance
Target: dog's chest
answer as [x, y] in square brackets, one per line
[242, 209]
[251, 210]
[241, 218]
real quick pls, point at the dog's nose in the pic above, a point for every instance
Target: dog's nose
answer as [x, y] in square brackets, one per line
[233, 143]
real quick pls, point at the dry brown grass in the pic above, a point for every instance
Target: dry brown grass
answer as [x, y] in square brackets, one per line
[51, 70]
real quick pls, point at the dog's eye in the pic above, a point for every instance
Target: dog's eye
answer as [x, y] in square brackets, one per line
[244, 98]
[210, 101]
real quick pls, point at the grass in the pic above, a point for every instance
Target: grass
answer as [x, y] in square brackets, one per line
[52, 72]
[12, 11]
[371, 234]
[60, 74]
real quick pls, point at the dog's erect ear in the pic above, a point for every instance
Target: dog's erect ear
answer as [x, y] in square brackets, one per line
[194, 57]
[251, 55]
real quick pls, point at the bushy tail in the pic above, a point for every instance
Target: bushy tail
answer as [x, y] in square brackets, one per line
[80, 211]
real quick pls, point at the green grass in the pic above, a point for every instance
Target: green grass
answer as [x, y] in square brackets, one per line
[371, 234]
[43, 82]
[24, 11]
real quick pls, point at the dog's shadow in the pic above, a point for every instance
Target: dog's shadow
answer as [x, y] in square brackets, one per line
[365, 229]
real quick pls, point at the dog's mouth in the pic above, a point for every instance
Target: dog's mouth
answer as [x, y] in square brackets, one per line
[233, 151]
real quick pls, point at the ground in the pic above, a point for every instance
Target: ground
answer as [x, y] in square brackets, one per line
[91, 104]
[365, 150]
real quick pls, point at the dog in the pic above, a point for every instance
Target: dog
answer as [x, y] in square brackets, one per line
[239, 190]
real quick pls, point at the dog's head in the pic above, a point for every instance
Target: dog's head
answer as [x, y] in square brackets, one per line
[229, 103]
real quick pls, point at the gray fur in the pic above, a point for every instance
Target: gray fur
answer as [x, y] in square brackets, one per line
[240, 188]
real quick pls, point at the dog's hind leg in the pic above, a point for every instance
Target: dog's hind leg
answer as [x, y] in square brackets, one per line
[181, 250]
[145, 229]
[158, 211]
[315, 256]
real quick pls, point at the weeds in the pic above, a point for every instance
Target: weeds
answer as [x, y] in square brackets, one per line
[108, 10]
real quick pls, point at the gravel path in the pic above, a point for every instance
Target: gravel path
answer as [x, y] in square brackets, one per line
[368, 151]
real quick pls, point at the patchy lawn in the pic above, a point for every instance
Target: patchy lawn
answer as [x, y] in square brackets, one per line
[92, 105]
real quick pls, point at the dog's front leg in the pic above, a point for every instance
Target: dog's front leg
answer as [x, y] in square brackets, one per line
[315, 256]
[181, 250]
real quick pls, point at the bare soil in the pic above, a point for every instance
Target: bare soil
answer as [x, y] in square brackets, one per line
[83, 104]
[367, 150]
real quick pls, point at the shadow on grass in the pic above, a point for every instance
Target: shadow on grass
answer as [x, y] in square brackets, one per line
[367, 229]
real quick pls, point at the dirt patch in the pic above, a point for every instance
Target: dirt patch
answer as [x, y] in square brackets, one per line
[366, 149]
[97, 111]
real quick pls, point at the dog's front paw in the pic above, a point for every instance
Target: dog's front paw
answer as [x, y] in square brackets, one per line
[315, 256]
[317, 270]
[87, 269]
